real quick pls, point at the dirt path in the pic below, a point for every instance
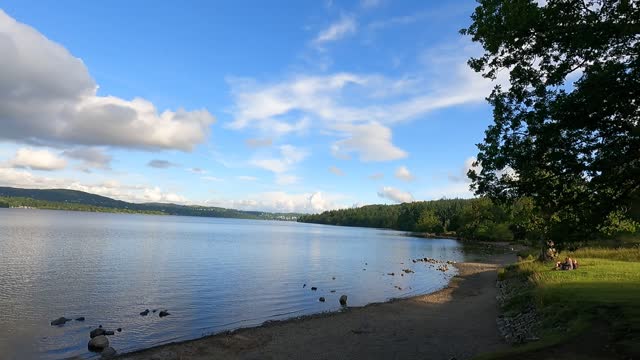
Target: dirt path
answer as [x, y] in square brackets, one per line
[456, 322]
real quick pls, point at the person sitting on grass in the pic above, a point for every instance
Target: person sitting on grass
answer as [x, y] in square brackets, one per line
[568, 264]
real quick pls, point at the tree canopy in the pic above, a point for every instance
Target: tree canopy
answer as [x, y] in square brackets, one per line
[566, 126]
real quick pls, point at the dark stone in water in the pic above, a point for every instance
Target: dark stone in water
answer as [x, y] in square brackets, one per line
[321, 299]
[81, 318]
[164, 313]
[108, 353]
[98, 343]
[333, 291]
[304, 286]
[109, 333]
[145, 313]
[119, 329]
[333, 278]
[313, 288]
[59, 321]
[343, 300]
[154, 310]
[96, 332]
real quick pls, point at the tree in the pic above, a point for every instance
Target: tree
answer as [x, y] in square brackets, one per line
[566, 128]
[429, 222]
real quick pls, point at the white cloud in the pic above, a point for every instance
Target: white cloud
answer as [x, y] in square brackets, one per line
[247, 178]
[47, 96]
[312, 202]
[258, 143]
[211, 178]
[286, 179]
[403, 173]
[353, 106]
[458, 185]
[345, 26]
[336, 171]
[289, 156]
[37, 160]
[161, 164]
[110, 188]
[449, 191]
[371, 141]
[273, 165]
[255, 104]
[197, 170]
[90, 157]
[376, 176]
[394, 194]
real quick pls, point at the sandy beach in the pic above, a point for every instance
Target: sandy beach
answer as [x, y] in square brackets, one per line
[456, 322]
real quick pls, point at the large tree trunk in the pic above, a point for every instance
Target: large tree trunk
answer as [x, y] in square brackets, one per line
[549, 252]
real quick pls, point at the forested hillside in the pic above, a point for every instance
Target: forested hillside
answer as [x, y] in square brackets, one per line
[479, 219]
[63, 199]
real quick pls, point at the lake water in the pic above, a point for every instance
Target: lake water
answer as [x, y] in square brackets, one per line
[211, 274]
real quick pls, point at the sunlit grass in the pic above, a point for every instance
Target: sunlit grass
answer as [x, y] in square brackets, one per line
[605, 287]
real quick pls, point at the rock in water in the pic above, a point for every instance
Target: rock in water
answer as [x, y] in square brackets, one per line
[343, 300]
[108, 353]
[145, 313]
[96, 332]
[164, 313]
[81, 318]
[119, 329]
[109, 333]
[321, 299]
[98, 343]
[313, 288]
[59, 321]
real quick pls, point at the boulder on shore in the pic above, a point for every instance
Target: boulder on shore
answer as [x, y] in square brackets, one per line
[108, 353]
[96, 332]
[343, 300]
[98, 343]
[59, 321]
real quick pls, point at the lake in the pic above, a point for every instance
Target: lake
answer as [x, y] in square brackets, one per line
[211, 274]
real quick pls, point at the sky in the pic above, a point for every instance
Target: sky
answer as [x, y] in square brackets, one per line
[296, 106]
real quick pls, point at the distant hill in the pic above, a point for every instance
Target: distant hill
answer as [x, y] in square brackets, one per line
[80, 200]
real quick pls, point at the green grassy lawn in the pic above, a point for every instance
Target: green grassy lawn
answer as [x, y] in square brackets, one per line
[604, 290]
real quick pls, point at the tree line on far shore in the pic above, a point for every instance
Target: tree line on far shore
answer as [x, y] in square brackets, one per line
[474, 219]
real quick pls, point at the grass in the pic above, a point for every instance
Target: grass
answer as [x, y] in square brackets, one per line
[605, 289]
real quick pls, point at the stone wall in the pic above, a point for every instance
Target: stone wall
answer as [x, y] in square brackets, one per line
[516, 327]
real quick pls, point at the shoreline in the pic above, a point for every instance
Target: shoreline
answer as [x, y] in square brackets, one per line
[377, 323]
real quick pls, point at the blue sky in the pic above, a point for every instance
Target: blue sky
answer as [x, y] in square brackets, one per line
[278, 106]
